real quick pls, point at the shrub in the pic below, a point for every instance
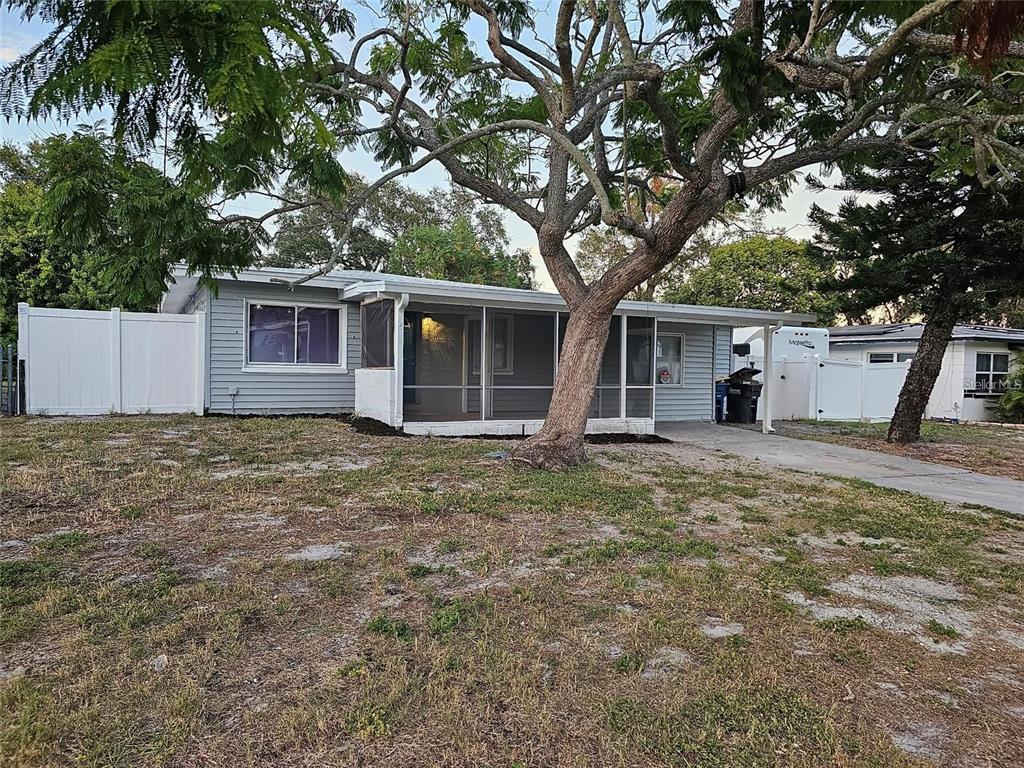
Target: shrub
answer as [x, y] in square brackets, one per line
[1011, 404]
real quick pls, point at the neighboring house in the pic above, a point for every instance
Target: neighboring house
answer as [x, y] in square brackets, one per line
[440, 357]
[974, 368]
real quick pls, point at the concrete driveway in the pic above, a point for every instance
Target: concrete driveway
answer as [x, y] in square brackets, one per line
[958, 486]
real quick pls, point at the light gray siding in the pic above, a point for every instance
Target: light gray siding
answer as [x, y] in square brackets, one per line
[272, 392]
[693, 399]
[723, 350]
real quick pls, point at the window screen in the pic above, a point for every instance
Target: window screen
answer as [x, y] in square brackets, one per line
[378, 334]
[639, 341]
[880, 357]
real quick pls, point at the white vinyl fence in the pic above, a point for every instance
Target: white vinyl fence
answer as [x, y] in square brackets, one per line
[81, 362]
[836, 390]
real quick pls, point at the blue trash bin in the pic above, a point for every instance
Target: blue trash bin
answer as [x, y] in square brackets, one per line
[721, 392]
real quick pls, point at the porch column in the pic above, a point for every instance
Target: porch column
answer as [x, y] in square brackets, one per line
[654, 365]
[768, 389]
[484, 362]
[622, 368]
[401, 303]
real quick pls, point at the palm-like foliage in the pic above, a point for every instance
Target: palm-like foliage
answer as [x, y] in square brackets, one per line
[218, 78]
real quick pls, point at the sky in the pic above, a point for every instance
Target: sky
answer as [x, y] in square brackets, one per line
[17, 36]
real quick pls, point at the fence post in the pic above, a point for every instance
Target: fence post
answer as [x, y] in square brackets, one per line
[23, 352]
[863, 384]
[201, 363]
[115, 360]
[816, 387]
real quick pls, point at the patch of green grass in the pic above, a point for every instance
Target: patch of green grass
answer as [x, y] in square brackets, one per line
[721, 729]
[481, 563]
[795, 572]
[67, 541]
[554, 550]
[20, 576]
[22, 584]
[844, 626]
[29, 733]
[655, 543]
[418, 571]
[922, 535]
[369, 722]
[939, 629]
[751, 515]
[693, 484]
[1011, 577]
[386, 626]
[451, 545]
[132, 512]
[335, 581]
[153, 551]
[450, 617]
[850, 654]
[630, 662]
[355, 668]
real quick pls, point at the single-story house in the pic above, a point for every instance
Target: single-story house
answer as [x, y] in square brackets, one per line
[974, 370]
[439, 357]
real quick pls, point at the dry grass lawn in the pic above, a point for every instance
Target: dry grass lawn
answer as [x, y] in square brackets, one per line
[287, 592]
[989, 450]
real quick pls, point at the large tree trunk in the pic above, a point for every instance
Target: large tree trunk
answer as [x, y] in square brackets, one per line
[559, 443]
[924, 371]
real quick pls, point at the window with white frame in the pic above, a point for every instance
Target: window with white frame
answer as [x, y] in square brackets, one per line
[502, 332]
[890, 357]
[991, 371]
[669, 365]
[278, 334]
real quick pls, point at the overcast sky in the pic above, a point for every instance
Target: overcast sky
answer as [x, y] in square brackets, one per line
[16, 37]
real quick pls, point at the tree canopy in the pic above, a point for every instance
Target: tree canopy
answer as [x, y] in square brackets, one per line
[456, 252]
[759, 272]
[937, 238]
[38, 265]
[446, 234]
[721, 99]
[933, 238]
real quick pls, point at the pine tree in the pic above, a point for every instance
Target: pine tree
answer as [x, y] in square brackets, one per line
[937, 239]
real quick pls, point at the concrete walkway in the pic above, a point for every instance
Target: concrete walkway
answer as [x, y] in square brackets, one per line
[958, 486]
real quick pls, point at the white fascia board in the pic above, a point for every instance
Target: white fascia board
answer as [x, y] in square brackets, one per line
[362, 289]
[441, 291]
[353, 284]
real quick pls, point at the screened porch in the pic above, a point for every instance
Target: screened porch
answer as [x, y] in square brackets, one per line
[472, 363]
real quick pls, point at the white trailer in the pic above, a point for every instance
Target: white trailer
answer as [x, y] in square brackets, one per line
[788, 343]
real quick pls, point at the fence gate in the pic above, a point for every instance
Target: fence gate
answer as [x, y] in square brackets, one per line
[82, 362]
[849, 391]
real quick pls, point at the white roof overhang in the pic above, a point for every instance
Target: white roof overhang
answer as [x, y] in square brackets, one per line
[355, 285]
